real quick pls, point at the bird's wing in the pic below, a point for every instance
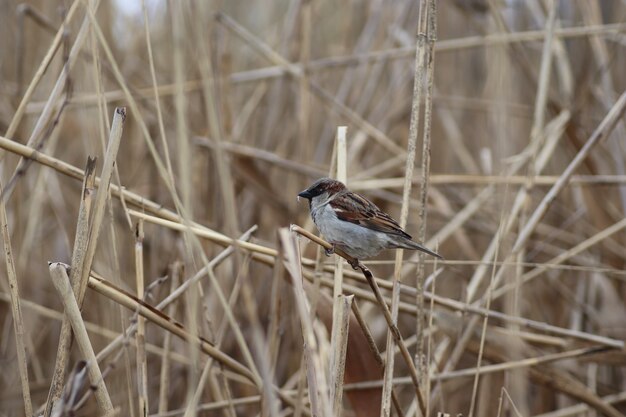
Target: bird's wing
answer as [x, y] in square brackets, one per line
[354, 208]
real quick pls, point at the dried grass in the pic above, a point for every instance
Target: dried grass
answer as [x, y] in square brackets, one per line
[509, 151]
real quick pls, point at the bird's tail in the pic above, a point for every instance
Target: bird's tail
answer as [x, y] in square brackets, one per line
[409, 244]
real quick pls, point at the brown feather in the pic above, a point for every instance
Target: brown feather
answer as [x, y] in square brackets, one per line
[359, 210]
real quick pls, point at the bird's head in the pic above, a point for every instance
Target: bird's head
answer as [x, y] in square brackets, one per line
[324, 187]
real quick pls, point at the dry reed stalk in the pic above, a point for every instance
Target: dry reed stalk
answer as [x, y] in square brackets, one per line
[304, 97]
[481, 312]
[518, 384]
[376, 352]
[23, 11]
[142, 360]
[393, 328]
[487, 88]
[601, 133]
[231, 319]
[338, 340]
[261, 347]
[467, 42]
[218, 405]
[157, 101]
[95, 329]
[180, 290]
[164, 378]
[443, 301]
[183, 145]
[428, 39]
[36, 212]
[319, 92]
[79, 254]
[162, 320]
[422, 72]
[16, 309]
[43, 67]
[216, 127]
[339, 344]
[473, 180]
[603, 57]
[54, 106]
[132, 102]
[181, 192]
[358, 59]
[102, 196]
[487, 369]
[557, 379]
[198, 388]
[582, 408]
[483, 332]
[275, 316]
[254, 374]
[576, 250]
[74, 172]
[61, 281]
[318, 390]
[553, 132]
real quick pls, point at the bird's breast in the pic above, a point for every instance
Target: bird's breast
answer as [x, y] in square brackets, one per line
[357, 241]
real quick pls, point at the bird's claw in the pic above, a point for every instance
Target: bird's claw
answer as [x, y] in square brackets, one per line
[354, 263]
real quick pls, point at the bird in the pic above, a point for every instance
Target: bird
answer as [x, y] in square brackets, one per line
[353, 224]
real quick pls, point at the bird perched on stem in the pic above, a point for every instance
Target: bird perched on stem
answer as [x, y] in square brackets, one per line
[354, 224]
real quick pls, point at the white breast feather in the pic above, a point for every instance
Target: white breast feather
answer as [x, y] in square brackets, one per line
[357, 241]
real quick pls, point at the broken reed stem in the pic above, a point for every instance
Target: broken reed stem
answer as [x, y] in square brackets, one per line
[339, 343]
[61, 281]
[142, 360]
[79, 252]
[87, 237]
[115, 138]
[318, 392]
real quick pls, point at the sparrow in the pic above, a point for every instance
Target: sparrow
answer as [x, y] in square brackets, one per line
[354, 224]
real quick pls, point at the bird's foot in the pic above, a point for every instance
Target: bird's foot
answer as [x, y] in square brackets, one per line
[330, 251]
[354, 264]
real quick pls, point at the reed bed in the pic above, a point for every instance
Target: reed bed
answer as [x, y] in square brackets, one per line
[157, 262]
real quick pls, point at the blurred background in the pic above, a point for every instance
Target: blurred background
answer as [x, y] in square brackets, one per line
[237, 103]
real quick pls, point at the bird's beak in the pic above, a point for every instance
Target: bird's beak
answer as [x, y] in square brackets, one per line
[305, 194]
